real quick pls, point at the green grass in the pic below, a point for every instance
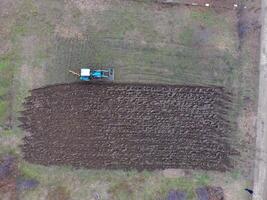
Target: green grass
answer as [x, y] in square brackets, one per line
[164, 185]
[4, 63]
[8, 133]
[29, 170]
[207, 17]
[19, 30]
[186, 36]
[3, 91]
[10, 62]
[9, 142]
[7, 70]
[118, 184]
[30, 22]
[4, 150]
[235, 174]
[3, 109]
[61, 193]
[202, 179]
[6, 73]
[116, 21]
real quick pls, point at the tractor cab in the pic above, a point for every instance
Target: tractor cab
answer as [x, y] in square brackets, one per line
[85, 74]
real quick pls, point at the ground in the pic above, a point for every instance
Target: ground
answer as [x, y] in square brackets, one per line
[145, 42]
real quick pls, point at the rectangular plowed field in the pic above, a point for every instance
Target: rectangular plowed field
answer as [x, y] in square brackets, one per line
[124, 126]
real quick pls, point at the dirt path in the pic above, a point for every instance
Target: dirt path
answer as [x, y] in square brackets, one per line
[127, 126]
[260, 177]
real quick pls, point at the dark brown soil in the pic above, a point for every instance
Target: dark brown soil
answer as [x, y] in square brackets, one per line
[215, 193]
[210, 193]
[124, 126]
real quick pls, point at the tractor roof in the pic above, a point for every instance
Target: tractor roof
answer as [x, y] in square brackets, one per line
[85, 72]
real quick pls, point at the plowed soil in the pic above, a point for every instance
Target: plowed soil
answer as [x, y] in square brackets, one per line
[123, 126]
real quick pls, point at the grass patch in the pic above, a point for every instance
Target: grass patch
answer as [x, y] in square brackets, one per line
[29, 21]
[235, 174]
[7, 133]
[3, 110]
[117, 20]
[181, 184]
[6, 78]
[30, 171]
[186, 36]
[6, 71]
[3, 91]
[27, 9]
[206, 17]
[59, 193]
[7, 150]
[155, 187]
[4, 64]
[202, 179]
[19, 30]
[117, 184]
[122, 190]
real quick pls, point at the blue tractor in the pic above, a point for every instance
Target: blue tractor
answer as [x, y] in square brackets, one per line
[87, 74]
